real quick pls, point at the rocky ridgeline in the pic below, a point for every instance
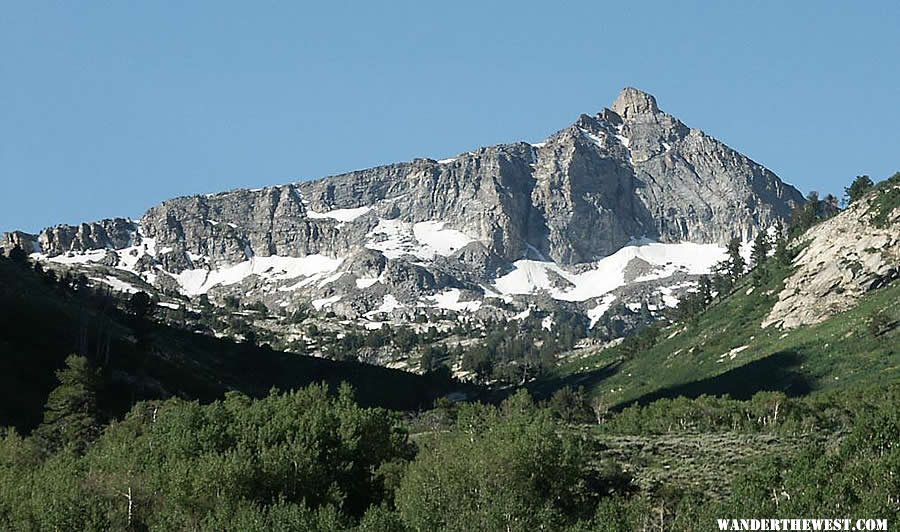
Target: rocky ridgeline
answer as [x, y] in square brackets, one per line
[414, 230]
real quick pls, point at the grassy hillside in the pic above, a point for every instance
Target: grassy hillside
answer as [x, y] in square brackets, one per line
[726, 351]
[42, 322]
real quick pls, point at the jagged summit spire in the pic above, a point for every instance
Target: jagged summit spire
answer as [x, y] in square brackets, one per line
[633, 101]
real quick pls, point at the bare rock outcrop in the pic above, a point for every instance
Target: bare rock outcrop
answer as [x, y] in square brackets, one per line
[841, 259]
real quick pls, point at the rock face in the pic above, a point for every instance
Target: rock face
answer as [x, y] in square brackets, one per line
[424, 227]
[116, 233]
[841, 259]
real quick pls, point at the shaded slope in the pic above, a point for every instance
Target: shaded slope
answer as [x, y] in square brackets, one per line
[42, 323]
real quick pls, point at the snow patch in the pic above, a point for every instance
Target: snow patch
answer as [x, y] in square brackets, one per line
[522, 315]
[449, 299]
[117, 284]
[388, 304]
[667, 293]
[424, 240]
[341, 215]
[598, 311]
[84, 257]
[319, 304]
[443, 241]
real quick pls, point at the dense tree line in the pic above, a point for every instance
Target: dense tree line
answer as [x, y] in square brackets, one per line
[311, 460]
[774, 412]
[515, 351]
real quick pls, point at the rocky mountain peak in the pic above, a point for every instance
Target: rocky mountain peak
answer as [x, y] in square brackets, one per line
[633, 102]
[553, 223]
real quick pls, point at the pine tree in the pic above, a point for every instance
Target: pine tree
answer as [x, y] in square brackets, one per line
[761, 247]
[71, 413]
[759, 256]
[736, 262]
[140, 304]
[858, 188]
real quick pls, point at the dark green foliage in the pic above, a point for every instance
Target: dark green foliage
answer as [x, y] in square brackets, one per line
[379, 337]
[736, 264]
[405, 338]
[71, 414]
[308, 460]
[634, 345]
[231, 302]
[886, 200]
[693, 303]
[302, 459]
[571, 405]
[761, 248]
[812, 212]
[433, 357]
[759, 258]
[859, 479]
[860, 186]
[517, 351]
[140, 305]
[501, 469]
[782, 254]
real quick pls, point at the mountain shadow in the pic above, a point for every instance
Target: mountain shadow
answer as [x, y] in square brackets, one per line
[777, 372]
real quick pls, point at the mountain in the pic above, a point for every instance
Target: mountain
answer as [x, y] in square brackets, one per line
[628, 205]
[824, 316]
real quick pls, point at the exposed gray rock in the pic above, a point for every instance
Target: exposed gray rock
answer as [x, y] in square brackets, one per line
[113, 233]
[626, 172]
[116, 233]
[26, 242]
[841, 259]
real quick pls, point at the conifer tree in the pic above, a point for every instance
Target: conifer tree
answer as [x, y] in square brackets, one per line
[71, 413]
[858, 188]
[140, 304]
[761, 247]
[736, 262]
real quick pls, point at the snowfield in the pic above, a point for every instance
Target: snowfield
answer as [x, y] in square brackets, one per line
[425, 240]
[274, 268]
[608, 274]
[449, 300]
[388, 304]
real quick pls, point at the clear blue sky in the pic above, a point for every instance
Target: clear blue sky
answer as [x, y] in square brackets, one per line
[111, 107]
